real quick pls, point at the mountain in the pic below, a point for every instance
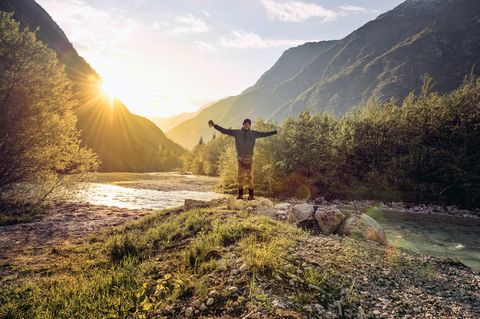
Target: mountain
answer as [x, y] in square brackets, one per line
[188, 133]
[123, 141]
[387, 57]
[167, 123]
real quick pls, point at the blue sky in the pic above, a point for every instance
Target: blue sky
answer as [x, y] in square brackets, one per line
[166, 57]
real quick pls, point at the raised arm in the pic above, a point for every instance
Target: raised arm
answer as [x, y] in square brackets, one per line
[221, 129]
[264, 134]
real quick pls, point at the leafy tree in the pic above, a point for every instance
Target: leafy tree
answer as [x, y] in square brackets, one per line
[39, 143]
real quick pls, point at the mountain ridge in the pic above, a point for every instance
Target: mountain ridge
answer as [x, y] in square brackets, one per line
[386, 57]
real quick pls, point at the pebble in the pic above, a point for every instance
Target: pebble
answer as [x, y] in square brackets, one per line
[189, 312]
[232, 289]
[278, 304]
[320, 309]
[210, 301]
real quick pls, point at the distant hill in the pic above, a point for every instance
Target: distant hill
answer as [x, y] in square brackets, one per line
[188, 133]
[167, 123]
[387, 57]
[124, 141]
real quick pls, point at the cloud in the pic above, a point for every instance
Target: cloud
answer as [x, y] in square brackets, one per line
[296, 11]
[204, 46]
[350, 8]
[189, 25]
[241, 39]
[346, 9]
[91, 30]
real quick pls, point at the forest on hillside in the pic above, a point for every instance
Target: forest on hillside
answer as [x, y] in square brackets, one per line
[424, 149]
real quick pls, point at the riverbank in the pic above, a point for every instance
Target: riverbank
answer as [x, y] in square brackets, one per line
[34, 244]
[220, 263]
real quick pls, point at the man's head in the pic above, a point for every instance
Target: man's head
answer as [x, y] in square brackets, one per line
[246, 124]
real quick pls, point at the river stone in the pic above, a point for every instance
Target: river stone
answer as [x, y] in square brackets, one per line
[302, 215]
[193, 203]
[362, 226]
[283, 206]
[265, 210]
[328, 219]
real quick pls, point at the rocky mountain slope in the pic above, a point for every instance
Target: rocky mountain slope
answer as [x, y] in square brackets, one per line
[124, 141]
[387, 57]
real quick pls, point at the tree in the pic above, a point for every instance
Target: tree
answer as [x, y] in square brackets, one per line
[39, 143]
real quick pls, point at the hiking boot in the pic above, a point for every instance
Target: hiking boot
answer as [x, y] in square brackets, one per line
[240, 193]
[250, 194]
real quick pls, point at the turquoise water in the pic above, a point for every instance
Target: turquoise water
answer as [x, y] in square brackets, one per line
[435, 235]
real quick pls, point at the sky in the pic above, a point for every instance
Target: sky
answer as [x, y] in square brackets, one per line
[164, 57]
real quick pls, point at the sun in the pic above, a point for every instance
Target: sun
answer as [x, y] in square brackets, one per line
[110, 89]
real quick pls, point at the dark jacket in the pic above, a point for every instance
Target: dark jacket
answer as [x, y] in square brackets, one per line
[244, 139]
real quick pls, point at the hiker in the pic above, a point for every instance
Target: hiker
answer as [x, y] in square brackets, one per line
[244, 143]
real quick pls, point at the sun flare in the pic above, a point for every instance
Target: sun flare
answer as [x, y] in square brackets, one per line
[110, 89]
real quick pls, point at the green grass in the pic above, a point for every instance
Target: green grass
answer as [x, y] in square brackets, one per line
[16, 213]
[135, 271]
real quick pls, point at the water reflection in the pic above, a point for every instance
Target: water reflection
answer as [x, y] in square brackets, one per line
[133, 198]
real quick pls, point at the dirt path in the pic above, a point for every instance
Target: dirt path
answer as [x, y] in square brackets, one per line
[36, 243]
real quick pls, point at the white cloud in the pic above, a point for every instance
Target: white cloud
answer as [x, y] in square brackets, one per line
[350, 8]
[155, 26]
[204, 46]
[94, 31]
[189, 25]
[241, 39]
[206, 13]
[297, 11]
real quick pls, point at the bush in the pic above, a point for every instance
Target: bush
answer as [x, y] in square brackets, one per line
[424, 149]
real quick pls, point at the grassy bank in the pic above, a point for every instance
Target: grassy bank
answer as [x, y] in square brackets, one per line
[15, 213]
[219, 263]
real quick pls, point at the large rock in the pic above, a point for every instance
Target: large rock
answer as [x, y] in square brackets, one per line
[362, 226]
[302, 215]
[283, 210]
[328, 219]
[193, 203]
[265, 210]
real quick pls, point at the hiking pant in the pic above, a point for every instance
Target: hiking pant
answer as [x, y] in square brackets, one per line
[245, 176]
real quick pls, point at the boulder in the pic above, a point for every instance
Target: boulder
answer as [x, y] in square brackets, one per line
[302, 215]
[283, 210]
[328, 219]
[362, 226]
[283, 206]
[265, 210]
